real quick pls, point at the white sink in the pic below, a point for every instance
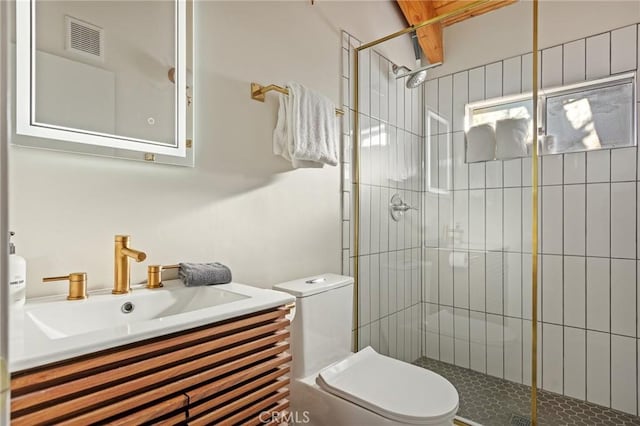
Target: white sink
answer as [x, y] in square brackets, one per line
[52, 329]
[62, 319]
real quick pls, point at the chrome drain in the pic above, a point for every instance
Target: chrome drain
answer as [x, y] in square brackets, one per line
[127, 307]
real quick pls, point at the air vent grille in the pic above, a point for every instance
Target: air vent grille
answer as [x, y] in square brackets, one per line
[84, 38]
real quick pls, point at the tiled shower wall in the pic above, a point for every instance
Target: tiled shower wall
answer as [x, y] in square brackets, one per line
[477, 313]
[391, 138]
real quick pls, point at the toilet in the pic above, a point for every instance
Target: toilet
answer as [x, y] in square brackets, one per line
[330, 385]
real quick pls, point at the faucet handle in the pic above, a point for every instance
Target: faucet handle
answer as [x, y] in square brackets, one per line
[77, 284]
[154, 274]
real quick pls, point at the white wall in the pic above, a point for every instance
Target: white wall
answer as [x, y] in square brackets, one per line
[240, 205]
[507, 31]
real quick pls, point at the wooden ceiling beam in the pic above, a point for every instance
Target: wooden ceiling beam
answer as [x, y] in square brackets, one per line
[429, 37]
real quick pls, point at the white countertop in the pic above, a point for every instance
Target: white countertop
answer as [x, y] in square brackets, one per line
[52, 329]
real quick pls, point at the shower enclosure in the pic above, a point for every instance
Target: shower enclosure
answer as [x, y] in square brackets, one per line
[441, 243]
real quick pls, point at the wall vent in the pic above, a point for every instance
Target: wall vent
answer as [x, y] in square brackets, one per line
[84, 38]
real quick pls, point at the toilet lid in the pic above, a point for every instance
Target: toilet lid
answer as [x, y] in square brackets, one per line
[393, 389]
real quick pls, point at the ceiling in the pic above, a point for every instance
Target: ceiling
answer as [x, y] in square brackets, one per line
[430, 37]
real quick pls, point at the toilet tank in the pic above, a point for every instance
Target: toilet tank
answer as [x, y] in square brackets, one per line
[322, 324]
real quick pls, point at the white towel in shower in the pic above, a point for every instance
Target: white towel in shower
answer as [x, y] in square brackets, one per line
[306, 130]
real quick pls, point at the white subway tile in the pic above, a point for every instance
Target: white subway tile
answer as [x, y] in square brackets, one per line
[574, 61]
[431, 99]
[476, 219]
[552, 219]
[364, 291]
[460, 98]
[374, 80]
[461, 285]
[512, 75]
[623, 49]
[574, 291]
[512, 272]
[494, 174]
[364, 336]
[552, 67]
[494, 282]
[478, 345]
[598, 51]
[623, 164]
[384, 336]
[552, 289]
[495, 345]
[575, 342]
[393, 335]
[512, 219]
[493, 219]
[461, 331]
[623, 374]
[374, 292]
[574, 219]
[493, 80]
[477, 281]
[476, 175]
[431, 227]
[598, 219]
[513, 172]
[393, 282]
[598, 289]
[375, 335]
[476, 84]
[552, 353]
[623, 220]
[383, 78]
[552, 169]
[385, 196]
[364, 66]
[526, 352]
[445, 278]
[445, 219]
[623, 297]
[460, 167]
[446, 335]
[598, 166]
[432, 331]
[598, 368]
[445, 165]
[513, 349]
[365, 226]
[374, 218]
[574, 167]
[527, 77]
[445, 104]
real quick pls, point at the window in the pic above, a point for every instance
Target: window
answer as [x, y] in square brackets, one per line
[596, 114]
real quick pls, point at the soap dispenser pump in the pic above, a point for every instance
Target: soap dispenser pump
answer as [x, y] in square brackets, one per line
[17, 276]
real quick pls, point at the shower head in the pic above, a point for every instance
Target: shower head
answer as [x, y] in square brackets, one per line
[419, 75]
[416, 79]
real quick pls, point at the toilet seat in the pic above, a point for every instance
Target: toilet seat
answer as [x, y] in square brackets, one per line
[393, 389]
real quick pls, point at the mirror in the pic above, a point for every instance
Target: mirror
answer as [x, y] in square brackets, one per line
[105, 78]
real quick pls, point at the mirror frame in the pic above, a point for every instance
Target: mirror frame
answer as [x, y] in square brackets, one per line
[26, 123]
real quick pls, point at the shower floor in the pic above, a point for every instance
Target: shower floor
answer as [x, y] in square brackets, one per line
[491, 401]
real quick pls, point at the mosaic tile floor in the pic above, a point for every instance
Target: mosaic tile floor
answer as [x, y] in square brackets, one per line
[491, 401]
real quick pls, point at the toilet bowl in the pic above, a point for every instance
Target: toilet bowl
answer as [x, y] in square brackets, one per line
[332, 386]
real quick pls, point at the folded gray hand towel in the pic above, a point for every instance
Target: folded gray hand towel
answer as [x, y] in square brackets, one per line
[195, 274]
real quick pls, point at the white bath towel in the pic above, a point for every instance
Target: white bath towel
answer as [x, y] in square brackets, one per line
[511, 138]
[306, 130]
[481, 143]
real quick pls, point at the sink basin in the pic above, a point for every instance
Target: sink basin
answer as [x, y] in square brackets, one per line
[58, 321]
[52, 329]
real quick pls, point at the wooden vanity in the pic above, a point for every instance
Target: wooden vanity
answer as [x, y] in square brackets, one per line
[226, 373]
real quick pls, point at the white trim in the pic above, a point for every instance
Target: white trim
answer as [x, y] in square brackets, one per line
[26, 123]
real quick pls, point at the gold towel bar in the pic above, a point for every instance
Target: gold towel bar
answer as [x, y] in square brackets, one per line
[258, 91]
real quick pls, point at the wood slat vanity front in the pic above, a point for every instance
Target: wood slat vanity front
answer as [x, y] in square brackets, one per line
[227, 373]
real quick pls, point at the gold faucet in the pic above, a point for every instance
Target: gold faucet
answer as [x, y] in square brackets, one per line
[122, 281]
[77, 284]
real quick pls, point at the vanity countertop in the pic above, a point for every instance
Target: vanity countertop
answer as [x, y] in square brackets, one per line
[52, 329]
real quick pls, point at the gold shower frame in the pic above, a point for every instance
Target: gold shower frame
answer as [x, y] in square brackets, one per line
[534, 185]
